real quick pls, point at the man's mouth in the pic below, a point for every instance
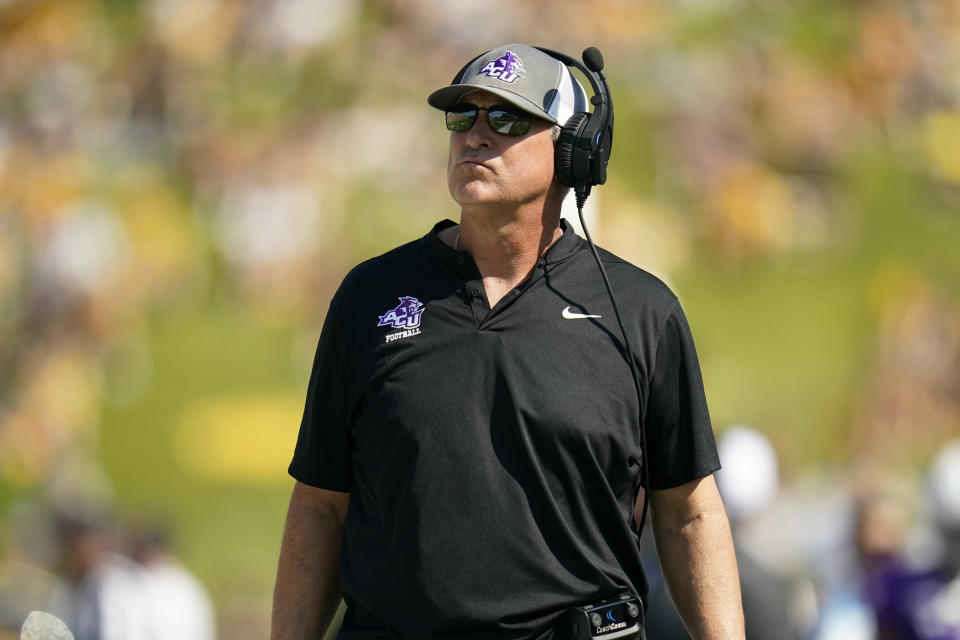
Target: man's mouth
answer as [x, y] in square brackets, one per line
[473, 162]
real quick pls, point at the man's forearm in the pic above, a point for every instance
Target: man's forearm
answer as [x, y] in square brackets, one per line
[700, 568]
[307, 591]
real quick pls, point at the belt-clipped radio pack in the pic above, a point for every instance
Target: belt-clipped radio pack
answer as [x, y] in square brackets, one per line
[618, 617]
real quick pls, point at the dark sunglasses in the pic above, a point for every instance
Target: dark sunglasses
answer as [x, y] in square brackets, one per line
[501, 118]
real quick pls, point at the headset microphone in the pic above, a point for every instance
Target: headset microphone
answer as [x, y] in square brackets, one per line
[603, 113]
[593, 59]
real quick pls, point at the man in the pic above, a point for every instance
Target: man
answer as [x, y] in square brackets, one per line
[469, 460]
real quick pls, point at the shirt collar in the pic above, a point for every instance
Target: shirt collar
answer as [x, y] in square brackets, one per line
[565, 246]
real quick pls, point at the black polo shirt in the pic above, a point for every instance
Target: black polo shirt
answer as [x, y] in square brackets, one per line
[493, 455]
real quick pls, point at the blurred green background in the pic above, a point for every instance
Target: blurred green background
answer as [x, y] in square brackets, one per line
[183, 184]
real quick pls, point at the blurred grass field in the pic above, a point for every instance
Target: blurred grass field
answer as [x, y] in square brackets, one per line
[165, 453]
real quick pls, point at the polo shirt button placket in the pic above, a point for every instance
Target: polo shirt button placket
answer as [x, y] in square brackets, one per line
[479, 302]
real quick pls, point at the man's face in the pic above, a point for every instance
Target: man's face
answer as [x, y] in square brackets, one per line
[485, 167]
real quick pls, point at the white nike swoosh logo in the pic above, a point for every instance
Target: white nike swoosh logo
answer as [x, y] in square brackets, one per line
[573, 315]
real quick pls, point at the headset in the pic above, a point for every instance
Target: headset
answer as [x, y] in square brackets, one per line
[581, 156]
[583, 148]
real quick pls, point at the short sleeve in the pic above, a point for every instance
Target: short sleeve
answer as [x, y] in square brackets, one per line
[322, 456]
[680, 441]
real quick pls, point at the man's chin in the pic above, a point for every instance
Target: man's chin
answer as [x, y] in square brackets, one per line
[473, 196]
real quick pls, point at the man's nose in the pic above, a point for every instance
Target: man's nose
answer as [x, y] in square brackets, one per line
[480, 134]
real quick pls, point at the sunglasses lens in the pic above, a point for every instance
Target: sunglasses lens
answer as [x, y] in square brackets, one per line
[461, 120]
[503, 120]
[507, 122]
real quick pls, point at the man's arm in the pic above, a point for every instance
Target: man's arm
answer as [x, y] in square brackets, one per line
[307, 590]
[696, 552]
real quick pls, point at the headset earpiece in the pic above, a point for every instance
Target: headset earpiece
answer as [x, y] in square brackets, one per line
[569, 163]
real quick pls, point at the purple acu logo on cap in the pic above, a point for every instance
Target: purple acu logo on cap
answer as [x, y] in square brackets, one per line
[507, 68]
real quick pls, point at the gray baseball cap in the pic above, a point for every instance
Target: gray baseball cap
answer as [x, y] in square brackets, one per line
[525, 77]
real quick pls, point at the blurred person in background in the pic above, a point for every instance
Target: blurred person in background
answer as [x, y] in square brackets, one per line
[126, 586]
[939, 617]
[864, 567]
[909, 599]
[923, 603]
[469, 462]
[749, 483]
[103, 599]
[887, 593]
[178, 605]
[888, 580]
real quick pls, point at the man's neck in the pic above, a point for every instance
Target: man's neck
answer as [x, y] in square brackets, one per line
[505, 246]
[508, 250]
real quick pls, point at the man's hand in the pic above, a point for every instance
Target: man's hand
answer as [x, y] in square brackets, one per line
[696, 552]
[307, 590]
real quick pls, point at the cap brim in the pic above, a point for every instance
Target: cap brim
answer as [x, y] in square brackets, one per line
[446, 98]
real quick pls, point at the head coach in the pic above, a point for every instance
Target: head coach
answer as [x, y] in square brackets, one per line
[485, 423]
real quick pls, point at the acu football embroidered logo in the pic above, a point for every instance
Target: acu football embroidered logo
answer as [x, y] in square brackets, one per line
[406, 316]
[507, 68]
